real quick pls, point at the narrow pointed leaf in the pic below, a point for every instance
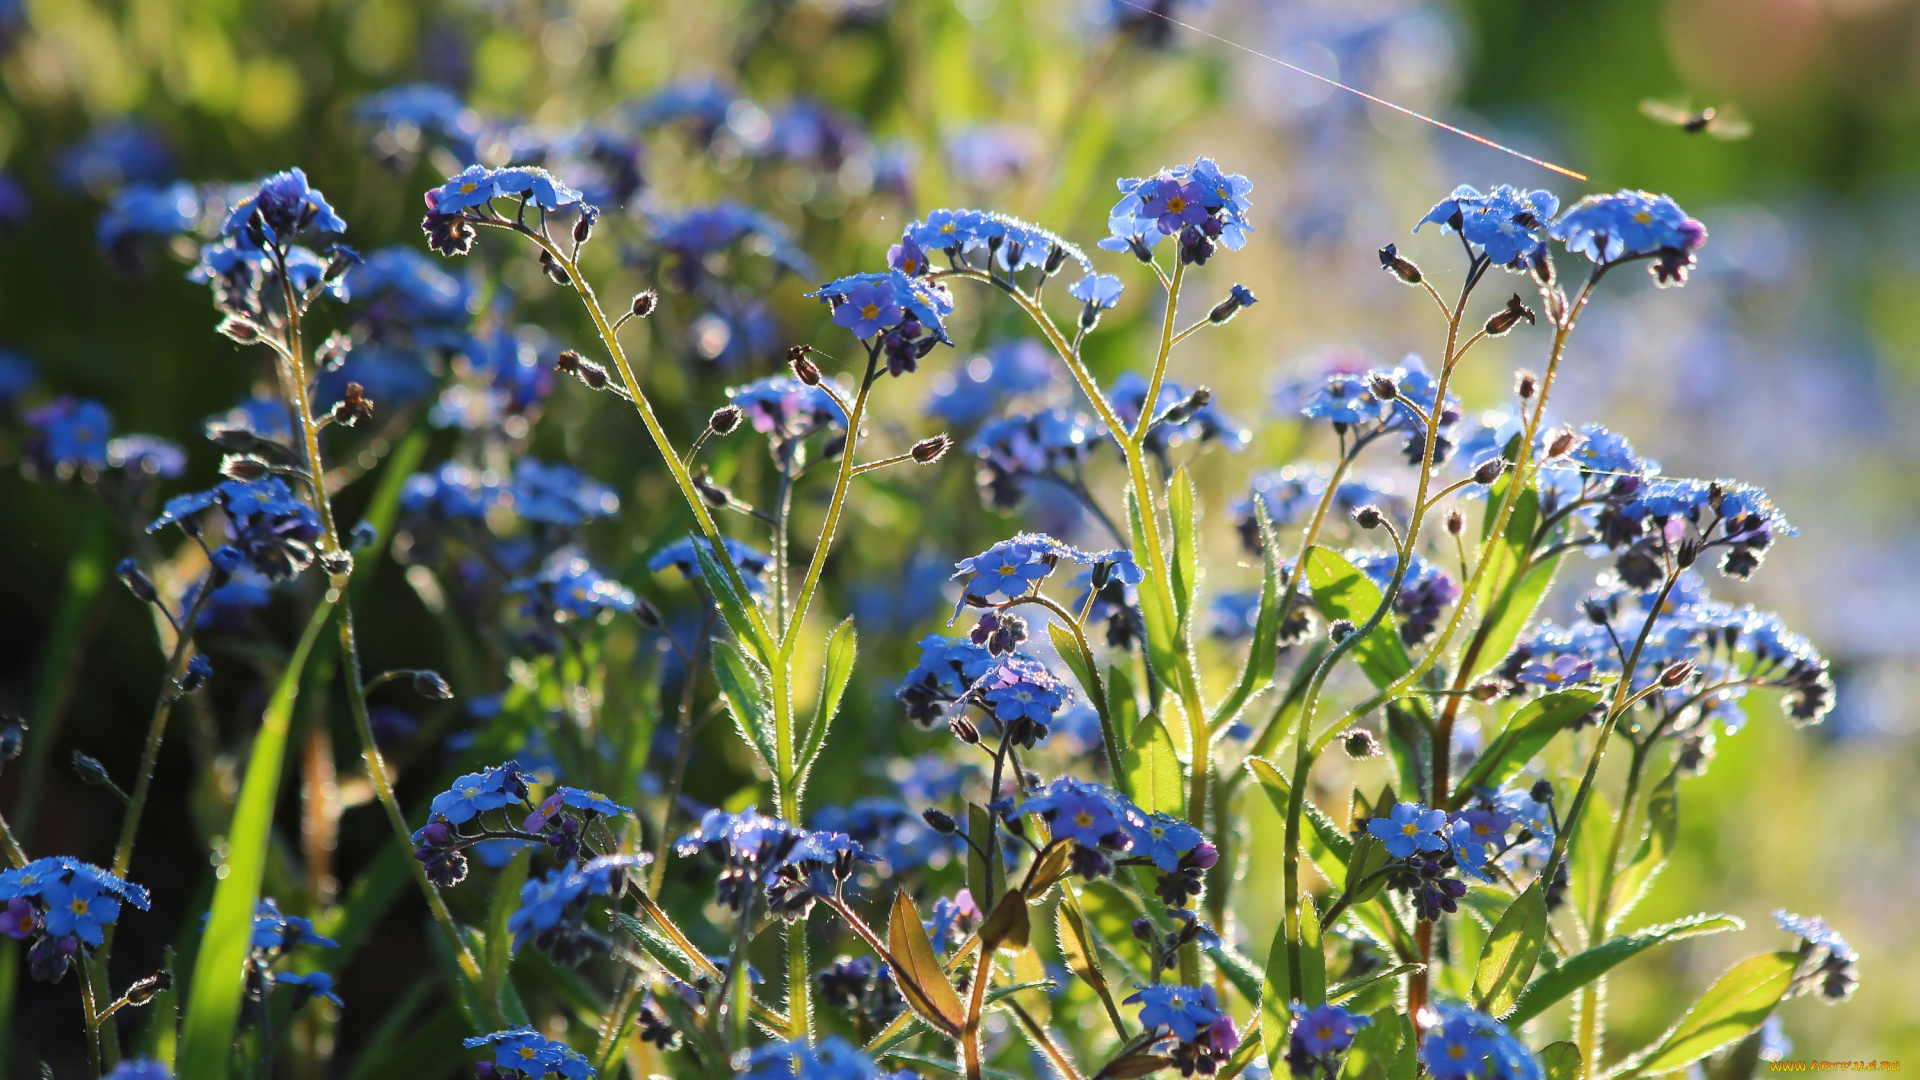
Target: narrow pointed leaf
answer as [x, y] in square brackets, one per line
[1341, 591]
[1264, 652]
[1663, 828]
[1511, 952]
[1183, 512]
[842, 647]
[1582, 968]
[1733, 1006]
[213, 1004]
[1510, 612]
[1156, 610]
[1276, 996]
[1153, 769]
[743, 688]
[1077, 948]
[922, 980]
[1525, 735]
[733, 605]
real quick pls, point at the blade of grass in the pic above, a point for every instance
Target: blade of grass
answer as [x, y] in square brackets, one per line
[213, 1006]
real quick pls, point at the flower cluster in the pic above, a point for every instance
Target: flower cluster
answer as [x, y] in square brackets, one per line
[756, 852]
[1470, 1045]
[553, 908]
[1202, 1033]
[269, 531]
[1198, 204]
[63, 907]
[1321, 1037]
[1826, 960]
[525, 1054]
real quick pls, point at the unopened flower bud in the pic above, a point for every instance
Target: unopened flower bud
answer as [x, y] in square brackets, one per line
[90, 771]
[1561, 443]
[1542, 791]
[568, 362]
[583, 228]
[1340, 630]
[939, 821]
[1677, 673]
[1489, 470]
[963, 729]
[1456, 522]
[1596, 612]
[648, 615]
[804, 369]
[138, 583]
[711, 493]
[724, 420]
[1240, 297]
[1056, 258]
[1183, 412]
[557, 273]
[429, 684]
[1368, 517]
[239, 330]
[1391, 262]
[354, 407]
[1143, 929]
[1205, 855]
[1524, 383]
[928, 451]
[1509, 317]
[1383, 386]
[1359, 743]
[1487, 690]
[643, 303]
[143, 991]
[1687, 553]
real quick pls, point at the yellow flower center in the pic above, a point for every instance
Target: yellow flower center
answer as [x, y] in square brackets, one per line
[469, 792]
[1410, 829]
[870, 311]
[1642, 217]
[1009, 571]
[1324, 1032]
[78, 905]
[469, 188]
[1456, 1051]
[1083, 819]
[948, 227]
[528, 1053]
[1176, 204]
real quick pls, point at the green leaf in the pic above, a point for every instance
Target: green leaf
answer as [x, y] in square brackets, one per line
[1083, 959]
[1086, 672]
[1346, 990]
[1276, 996]
[1663, 828]
[1341, 591]
[923, 982]
[1591, 847]
[1517, 538]
[743, 688]
[506, 901]
[1560, 1061]
[213, 1005]
[733, 605]
[1240, 970]
[384, 507]
[1525, 735]
[980, 826]
[1123, 706]
[1153, 769]
[842, 647]
[1733, 1006]
[1511, 952]
[1313, 960]
[1582, 968]
[1375, 1047]
[1182, 510]
[1156, 611]
[1257, 674]
[1510, 612]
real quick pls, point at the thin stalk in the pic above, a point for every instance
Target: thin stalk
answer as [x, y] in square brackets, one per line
[835, 507]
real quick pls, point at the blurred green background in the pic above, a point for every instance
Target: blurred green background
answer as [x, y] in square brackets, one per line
[1793, 360]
